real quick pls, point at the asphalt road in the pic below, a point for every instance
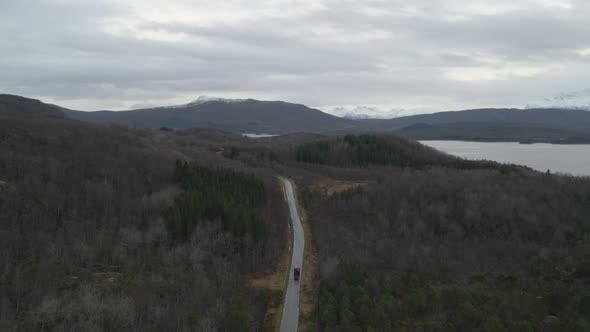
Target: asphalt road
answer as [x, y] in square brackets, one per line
[290, 316]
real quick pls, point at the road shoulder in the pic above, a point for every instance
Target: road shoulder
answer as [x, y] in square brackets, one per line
[276, 282]
[309, 295]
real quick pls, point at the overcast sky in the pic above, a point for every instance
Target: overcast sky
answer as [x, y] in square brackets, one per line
[419, 55]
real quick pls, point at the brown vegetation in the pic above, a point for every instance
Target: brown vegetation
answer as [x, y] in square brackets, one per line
[275, 283]
[331, 186]
[393, 253]
[98, 232]
[83, 238]
[311, 279]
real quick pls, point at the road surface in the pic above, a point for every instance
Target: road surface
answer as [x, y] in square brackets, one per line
[290, 316]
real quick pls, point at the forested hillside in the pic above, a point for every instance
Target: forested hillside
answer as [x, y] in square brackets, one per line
[102, 229]
[551, 118]
[449, 247]
[113, 228]
[495, 132]
[549, 125]
[366, 150]
[28, 107]
[243, 116]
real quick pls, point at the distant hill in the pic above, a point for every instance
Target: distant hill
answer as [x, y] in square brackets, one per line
[27, 106]
[490, 131]
[530, 125]
[245, 116]
[569, 119]
[278, 117]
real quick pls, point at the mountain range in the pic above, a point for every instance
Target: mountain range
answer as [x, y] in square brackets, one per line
[555, 125]
[570, 100]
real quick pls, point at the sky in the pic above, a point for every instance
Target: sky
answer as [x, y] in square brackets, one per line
[382, 56]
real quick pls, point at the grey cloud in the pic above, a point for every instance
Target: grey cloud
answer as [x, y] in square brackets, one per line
[346, 52]
[514, 34]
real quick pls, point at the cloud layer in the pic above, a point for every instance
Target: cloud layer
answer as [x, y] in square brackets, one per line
[420, 56]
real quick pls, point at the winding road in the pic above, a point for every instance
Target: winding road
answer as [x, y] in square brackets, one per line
[290, 317]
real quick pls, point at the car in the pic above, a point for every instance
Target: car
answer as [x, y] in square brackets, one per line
[296, 273]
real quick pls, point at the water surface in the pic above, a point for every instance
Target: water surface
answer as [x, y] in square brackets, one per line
[253, 135]
[559, 158]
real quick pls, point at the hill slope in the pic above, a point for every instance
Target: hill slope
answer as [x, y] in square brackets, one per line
[99, 231]
[246, 116]
[490, 131]
[568, 119]
[277, 117]
[385, 150]
[530, 125]
[27, 106]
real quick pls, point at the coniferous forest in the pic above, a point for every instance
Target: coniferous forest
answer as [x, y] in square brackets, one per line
[369, 149]
[216, 194]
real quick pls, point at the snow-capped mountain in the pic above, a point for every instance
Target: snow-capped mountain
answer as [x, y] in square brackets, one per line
[204, 100]
[574, 100]
[208, 99]
[364, 112]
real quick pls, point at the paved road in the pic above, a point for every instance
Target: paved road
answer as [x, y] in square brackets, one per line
[290, 316]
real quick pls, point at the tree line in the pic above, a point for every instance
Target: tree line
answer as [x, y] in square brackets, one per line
[370, 149]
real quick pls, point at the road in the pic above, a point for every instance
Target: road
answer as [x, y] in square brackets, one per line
[290, 317]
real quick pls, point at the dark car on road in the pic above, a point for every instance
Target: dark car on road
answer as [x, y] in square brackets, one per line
[296, 273]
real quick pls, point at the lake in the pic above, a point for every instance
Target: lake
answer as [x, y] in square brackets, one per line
[559, 158]
[252, 135]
